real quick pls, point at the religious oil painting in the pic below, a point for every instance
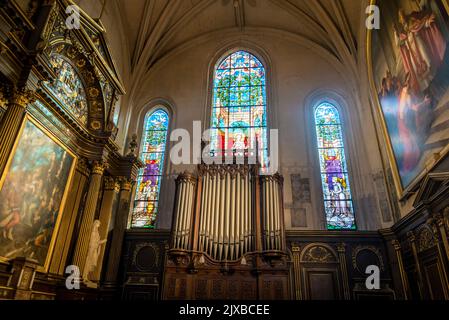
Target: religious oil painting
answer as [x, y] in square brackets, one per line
[68, 88]
[32, 195]
[410, 63]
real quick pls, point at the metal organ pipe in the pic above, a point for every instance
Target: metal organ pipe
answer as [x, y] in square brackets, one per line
[184, 210]
[277, 215]
[180, 214]
[226, 223]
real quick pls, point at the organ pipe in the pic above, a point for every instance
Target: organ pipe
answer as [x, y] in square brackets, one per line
[224, 208]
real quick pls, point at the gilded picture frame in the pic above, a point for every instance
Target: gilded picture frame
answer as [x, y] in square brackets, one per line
[70, 173]
[401, 190]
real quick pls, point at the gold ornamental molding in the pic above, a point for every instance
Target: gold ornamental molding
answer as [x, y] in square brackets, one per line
[83, 167]
[111, 183]
[126, 184]
[21, 97]
[3, 99]
[98, 167]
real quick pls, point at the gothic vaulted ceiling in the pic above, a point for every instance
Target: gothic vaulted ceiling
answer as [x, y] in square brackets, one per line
[144, 31]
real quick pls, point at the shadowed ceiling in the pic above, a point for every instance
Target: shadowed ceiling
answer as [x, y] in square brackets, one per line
[144, 31]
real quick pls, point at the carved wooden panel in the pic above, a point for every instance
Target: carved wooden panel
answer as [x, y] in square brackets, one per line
[434, 281]
[321, 284]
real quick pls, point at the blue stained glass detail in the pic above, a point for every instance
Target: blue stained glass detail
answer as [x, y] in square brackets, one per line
[154, 143]
[239, 105]
[338, 204]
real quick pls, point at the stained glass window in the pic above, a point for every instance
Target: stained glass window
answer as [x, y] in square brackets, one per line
[153, 147]
[334, 170]
[68, 88]
[239, 106]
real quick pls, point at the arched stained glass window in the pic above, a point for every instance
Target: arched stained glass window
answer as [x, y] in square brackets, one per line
[334, 169]
[68, 88]
[239, 106]
[153, 147]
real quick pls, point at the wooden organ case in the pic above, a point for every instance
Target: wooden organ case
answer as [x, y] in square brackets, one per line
[228, 237]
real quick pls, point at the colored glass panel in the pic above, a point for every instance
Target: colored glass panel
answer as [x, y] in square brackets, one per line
[68, 88]
[153, 148]
[338, 204]
[239, 105]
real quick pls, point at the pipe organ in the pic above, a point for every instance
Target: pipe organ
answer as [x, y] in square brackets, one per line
[228, 221]
[226, 230]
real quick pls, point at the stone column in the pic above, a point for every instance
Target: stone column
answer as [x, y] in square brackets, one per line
[88, 216]
[111, 190]
[11, 122]
[118, 234]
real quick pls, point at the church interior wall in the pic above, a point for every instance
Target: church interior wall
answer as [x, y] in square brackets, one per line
[116, 70]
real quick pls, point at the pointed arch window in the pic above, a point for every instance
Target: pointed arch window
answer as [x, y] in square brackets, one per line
[239, 117]
[338, 203]
[153, 148]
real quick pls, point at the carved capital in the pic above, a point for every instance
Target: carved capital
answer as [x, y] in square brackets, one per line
[98, 167]
[21, 97]
[396, 245]
[3, 99]
[83, 166]
[446, 216]
[341, 247]
[434, 224]
[126, 184]
[411, 236]
[296, 248]
[111, 183]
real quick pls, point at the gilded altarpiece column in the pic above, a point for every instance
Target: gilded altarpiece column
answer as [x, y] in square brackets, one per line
[69, 217]
[111, 192]
[88, 216]
[11, 122]
[121, 219]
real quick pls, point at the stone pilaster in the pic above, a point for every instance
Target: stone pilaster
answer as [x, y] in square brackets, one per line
[23, 272]
[397, 248]
[344, 270]
[12, 120]
[296, 253]
[111, 190]
[118, 234]
[88, 216]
